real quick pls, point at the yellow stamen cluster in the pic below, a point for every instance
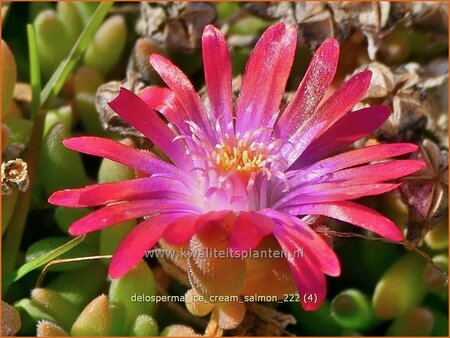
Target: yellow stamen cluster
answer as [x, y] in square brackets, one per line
[240, 157]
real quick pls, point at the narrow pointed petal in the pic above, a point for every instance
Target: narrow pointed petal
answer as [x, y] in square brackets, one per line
[309, 279]
[120, 153]
[185, 92]
[136, 112]
[353, 213]
[302, 233]
[366, 174]
[376, 173]
[329, 192]
[217, 66]
[336, 106]
[349, 159]
[265, 78]
[140, 240]
[349, 129]
[249, 230]
[101, 194]
[118, 213]
[311, 90]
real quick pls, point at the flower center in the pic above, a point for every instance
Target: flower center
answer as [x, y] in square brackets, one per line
[240, 157]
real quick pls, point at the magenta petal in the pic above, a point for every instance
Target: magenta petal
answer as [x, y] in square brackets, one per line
[100, 194]
[181, 230]
[329, 262]
[309, 279]
[375, 173]
[330, 192]
[353, 213]
[134, 247]
[156, 97]
[349, 129]
[185, 92]
[165, 101]
[217, 65]
[342, 101]
[349, 159]
[248, 230]
[136, 112]
[312, 89]
[302, 233]
[117, 152]
[265, 78]
[214, 219]
[117, 213]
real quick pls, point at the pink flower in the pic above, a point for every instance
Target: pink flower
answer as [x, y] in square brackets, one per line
[247, 169]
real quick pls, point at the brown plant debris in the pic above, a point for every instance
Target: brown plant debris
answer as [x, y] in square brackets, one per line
[412, 92]
[425, 192]
[319, 20]
[106, 93]
[14, 176]
[10, 320]
[175, 25]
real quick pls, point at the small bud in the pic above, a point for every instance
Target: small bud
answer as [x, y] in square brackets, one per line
[57, 161]
[61, 114]
[81, 285]
[14, 175]
[107, 46]
[401, 288]
[9, 76]
[145, 326]
[10, 320]
[86, 82]
[20, 130]
[416, 322]
[437, 238]
[56, 306]
[351, 309]
[95, 320]
[196, 307]
[46, 328]
[53, 41]
[139, 281]
[71, 18]
[44, 246]
[178, 331]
